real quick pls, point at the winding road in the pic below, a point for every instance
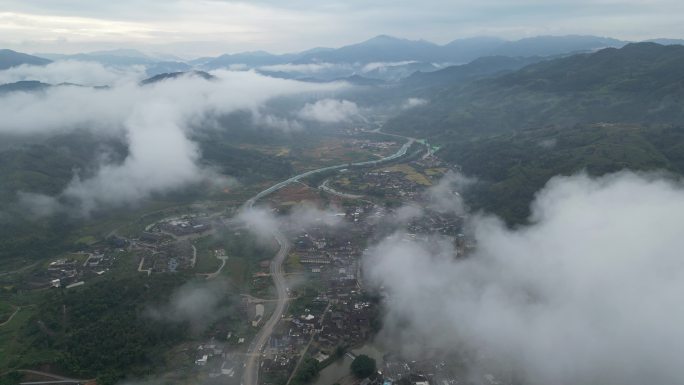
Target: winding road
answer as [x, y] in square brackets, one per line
[254, 352]
[401, 152]
[324, 186]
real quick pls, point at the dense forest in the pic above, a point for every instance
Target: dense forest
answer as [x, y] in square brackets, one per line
[102, 330]
[640, 83]
[597, 112]
[512, 167]
[44, 166]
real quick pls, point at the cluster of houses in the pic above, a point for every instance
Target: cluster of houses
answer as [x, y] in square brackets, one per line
[72, 271]
[186, 226]
[373, 145]
[385, 183]
[434, 222]
[159, 253]
[218, 359]
[332, 257]
[340, 315]
[347, 323]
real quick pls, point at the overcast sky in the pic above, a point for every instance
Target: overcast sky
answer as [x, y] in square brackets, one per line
[210, 27]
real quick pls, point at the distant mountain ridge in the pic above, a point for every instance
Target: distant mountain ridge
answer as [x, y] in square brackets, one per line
[383, 58]
[480, 67]
[155, 64]
[9, 59]
[23, 85]
[117, 57]
[384, 48]
[175, 75]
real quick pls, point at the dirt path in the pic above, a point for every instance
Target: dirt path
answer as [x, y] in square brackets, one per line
[218, 271]
[11, 316]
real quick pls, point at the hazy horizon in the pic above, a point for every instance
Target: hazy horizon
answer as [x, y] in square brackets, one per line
[212, 27]
[161, 55]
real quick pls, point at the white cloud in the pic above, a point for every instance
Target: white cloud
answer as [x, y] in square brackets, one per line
[413, 102]
[304, 216]
[442, 197]
[330, 111]
[264, 222]
[589, 293]
[155, 120]
[445, 195]
[160, 159]
[260, 221]
[300, 68]
[406, 213]
[548, 143]
[38, 205]
[238, 67]
[196, 303]
[382, 66]
[76, 72]
[277, 122]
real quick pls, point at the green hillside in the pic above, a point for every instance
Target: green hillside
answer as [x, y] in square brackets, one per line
[602, 112]
[640, 83]
[512, 167]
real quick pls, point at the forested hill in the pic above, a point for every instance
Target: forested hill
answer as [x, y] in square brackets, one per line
[478, 68]
[9, 59]
[511, 167]
[639, 83]
[638, 68]
[599, 113]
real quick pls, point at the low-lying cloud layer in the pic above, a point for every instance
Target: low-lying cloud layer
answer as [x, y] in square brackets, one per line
[307, 68]
[330, 111]
[383, 66]
[589, 293]
[264, 222]
[75, 72]
[413, 102]
[444, 196]
[196, 303]
[156, 121]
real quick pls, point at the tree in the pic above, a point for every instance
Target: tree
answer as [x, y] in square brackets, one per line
[11, 378]
[339, 351]
[363, 366]
[307, 371]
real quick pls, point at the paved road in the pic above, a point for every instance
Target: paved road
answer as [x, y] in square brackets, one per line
[401, 152]
[251, 373]
[56, 377]
[324, 186]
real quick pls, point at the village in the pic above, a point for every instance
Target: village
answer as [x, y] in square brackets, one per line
[330, 313]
